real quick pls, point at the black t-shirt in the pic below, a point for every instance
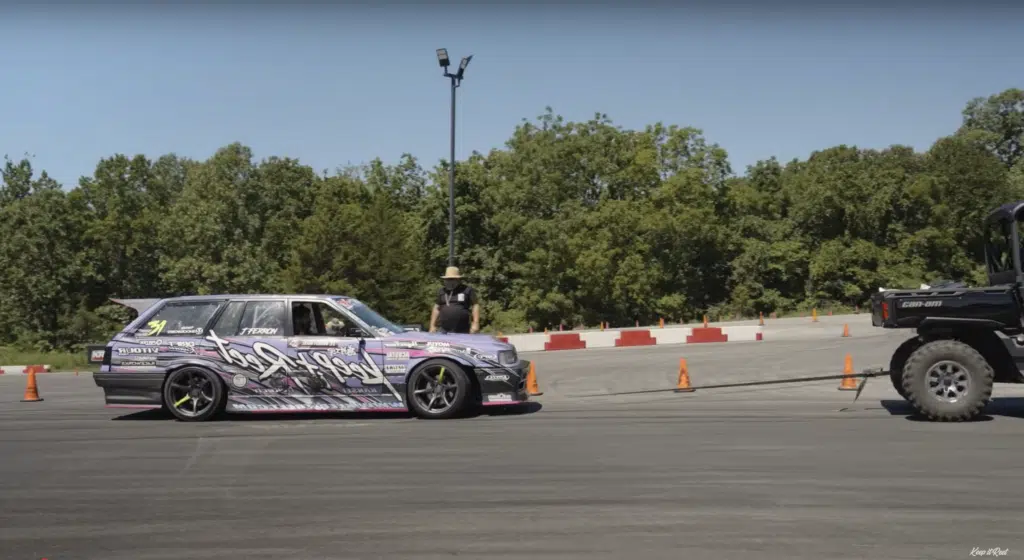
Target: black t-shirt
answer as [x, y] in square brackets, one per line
[455, 308]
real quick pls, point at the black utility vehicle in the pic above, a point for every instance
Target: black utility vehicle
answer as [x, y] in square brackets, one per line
[967, 338]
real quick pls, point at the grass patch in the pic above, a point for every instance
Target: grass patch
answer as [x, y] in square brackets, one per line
[58, 361]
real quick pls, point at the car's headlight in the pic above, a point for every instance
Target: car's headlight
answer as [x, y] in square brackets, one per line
[507, 357]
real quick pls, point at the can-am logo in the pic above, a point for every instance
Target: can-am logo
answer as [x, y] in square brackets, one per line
[914, 304]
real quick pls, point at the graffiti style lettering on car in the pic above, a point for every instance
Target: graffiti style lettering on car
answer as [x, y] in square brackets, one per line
[267, 361]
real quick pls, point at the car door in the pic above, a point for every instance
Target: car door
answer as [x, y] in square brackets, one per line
[340, 356]
[251, 336]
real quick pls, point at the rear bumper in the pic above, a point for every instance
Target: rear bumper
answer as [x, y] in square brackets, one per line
[138, 389]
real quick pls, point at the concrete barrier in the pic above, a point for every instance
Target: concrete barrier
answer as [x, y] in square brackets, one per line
[632, 337]
[22, 369]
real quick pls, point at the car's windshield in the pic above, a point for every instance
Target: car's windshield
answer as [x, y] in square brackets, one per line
[369, 316]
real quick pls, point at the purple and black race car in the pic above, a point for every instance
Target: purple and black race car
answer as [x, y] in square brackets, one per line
[200, 355]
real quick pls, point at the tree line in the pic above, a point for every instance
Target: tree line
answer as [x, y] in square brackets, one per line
[571, 223]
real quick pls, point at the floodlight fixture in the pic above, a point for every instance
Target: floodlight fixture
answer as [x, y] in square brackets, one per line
[442, 58]
[463, 65]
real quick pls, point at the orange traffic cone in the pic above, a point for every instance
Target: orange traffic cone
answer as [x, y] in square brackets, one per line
[531, 382]
[846, 330]
[683, 385]
[661, 323]
[31, 390]
[849, 382]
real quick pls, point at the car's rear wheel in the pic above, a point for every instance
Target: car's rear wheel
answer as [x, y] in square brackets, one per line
[438, 389]
[193, 394]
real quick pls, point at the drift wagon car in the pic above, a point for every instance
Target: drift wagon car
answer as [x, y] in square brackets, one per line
[200, 355]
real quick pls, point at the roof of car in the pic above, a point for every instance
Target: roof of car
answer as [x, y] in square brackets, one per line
[142, 304]
[252, 296]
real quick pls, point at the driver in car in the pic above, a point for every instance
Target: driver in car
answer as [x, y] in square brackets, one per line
[302, 320]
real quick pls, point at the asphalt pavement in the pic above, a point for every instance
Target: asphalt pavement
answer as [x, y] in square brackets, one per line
[785, 471]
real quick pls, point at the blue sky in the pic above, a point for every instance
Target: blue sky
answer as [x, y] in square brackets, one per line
[342, 85]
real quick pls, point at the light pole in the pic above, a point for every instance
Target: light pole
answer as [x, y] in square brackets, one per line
[456, 79]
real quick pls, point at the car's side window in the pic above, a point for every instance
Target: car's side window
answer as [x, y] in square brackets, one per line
[180, 319]
[335, 323]
[316, 318]
[263, 318]
[304, 319]
[227, 323]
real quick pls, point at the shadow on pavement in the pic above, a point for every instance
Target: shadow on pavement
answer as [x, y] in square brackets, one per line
[1010, 407]
[159, 415]
[512, 410]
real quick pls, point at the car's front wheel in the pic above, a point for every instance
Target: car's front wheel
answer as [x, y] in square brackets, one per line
[193, 394]
[438, 389]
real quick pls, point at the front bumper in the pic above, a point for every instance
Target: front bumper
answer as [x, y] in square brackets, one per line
[136, 389]
[503, 386]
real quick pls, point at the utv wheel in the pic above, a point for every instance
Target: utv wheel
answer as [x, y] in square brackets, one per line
[948, 381]
[438, 389]
[193, 394]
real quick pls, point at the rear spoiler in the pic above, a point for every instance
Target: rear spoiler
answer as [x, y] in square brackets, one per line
[139, 305]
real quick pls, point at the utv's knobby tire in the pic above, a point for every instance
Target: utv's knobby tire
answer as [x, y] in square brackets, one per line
[979, 375]
[210, 386]
[896, 376]
[452, 372]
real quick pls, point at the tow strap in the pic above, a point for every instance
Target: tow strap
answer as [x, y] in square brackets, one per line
[866, 374]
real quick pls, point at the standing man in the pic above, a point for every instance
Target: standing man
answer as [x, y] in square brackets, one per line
[455, 305]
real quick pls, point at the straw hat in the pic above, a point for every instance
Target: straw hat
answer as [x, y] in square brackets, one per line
[451, 272]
